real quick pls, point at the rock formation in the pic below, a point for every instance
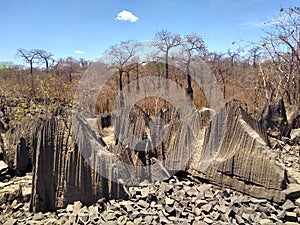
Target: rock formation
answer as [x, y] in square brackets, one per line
[78, 158]
[274, 119]
[62, 172]
[243, 159]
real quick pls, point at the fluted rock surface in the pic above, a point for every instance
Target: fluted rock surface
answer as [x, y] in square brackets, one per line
[69, 160]
[19, 118]
[242, 159]
[18, 145]
[232, 150]
[78, 158]
[170, 138]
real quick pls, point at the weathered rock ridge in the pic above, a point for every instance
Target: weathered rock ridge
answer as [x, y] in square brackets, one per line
[62, 170]
[77, 158]
[243, 161]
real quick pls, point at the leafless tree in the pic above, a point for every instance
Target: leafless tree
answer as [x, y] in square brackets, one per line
[165, 41]
[45, 56]
[219, 67]
[282, 46]
[255, 53]
[192, 44]
[119, 57]
[234, 55]
[67, 66]
[29, 56]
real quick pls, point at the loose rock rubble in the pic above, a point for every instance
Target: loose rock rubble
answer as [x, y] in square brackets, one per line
[14, 191]
[176, 201]
[289, 155]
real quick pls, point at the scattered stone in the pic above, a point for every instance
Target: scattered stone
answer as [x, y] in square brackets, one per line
[18, 206]
[208, 220]
[281, 215]
[230, 213]
[206, 208]
[169, 201]
[197, 211]
[10, 221]
[70, 208]
[293, 192]
[198, 222]
[110, 216]
[138, 220]
[266, 222]
[200, 202]
[77, 206]
[134, 215]
[239, 219]
[3, 166]
[83, 217]
[295, 133]
[143, 204]
[180, 204]
[38, 216]
[291, 216]
[288, 205]
[26, 193]
[148, 219]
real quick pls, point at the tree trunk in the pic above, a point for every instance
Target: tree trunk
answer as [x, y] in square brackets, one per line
[70, 77]
[47, 65]
[167, 66]
[121, 88]
[223, 81]
[128, 81]
[167, 71]
[120, 79]
[137, 77]
[189, 90]
[32, 79]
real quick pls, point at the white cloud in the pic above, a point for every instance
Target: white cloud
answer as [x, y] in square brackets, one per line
[127, 16]
[79, 52]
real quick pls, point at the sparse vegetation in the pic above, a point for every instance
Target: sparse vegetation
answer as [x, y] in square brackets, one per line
[255, 74]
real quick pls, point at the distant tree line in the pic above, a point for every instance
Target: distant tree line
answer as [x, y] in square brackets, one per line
[254, 72]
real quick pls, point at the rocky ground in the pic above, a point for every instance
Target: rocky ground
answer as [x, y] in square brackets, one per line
[176, 201]
[182, 199]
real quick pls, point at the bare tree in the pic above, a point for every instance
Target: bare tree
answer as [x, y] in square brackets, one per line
[255, 53]
[282, 46]
[29, 57]
[234, 55]
[119, 57]
[192, 44]
[165, 41]
[67, 66]
[219, 66]
[45, 56]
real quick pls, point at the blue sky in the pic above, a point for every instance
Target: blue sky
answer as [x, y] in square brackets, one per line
[69, 27]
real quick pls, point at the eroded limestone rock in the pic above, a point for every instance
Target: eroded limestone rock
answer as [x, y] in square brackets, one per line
[242, 160]
[64, 153]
